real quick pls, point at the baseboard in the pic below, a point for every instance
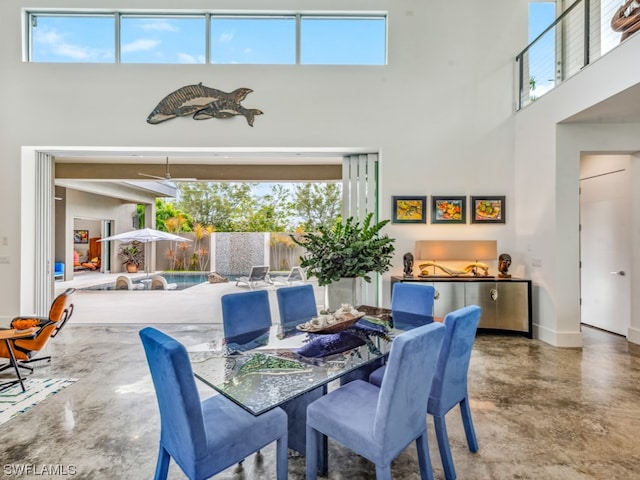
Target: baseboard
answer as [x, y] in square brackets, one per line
[633, 335]
[557, 339]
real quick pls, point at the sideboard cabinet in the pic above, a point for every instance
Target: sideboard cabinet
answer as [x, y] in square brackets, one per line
[505, 302]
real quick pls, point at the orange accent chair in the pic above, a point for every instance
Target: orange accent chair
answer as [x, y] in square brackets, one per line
[77, 265]
[25, 349]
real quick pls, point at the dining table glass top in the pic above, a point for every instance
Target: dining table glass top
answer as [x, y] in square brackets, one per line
[263, 369]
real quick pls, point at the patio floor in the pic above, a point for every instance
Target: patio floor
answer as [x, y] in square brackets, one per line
[197, 304]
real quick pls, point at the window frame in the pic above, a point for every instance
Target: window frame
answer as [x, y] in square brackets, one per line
[32, 15]
[209, 16]
[303, 16]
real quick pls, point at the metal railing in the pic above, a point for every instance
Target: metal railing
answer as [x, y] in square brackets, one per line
[579, 36]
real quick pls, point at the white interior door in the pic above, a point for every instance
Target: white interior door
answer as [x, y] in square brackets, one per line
[605, 251]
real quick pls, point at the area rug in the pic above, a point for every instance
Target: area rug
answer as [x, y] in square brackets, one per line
[14, 401]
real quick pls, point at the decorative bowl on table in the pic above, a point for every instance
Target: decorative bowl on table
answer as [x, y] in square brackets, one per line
[379, 313]
[331, 323]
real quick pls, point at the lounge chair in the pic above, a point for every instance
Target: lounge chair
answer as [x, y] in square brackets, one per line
[158, 282]
[26, 349]
[124, 283]
[79, 266]
[258, 276]
[296, 275]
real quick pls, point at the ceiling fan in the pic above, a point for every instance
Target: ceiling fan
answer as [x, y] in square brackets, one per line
[167, 175]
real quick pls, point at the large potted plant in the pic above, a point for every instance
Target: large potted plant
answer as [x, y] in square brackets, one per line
[133, 255]
[344, 254]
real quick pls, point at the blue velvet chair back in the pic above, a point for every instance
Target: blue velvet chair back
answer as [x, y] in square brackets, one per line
[412, 303]
[402, 404]
[450, 381]
[182, 426]
[296, 304]
[245, 312]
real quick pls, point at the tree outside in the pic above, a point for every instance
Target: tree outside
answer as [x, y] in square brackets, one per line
[239, 207]
[317, 205]
[202, 208]
[222, 205]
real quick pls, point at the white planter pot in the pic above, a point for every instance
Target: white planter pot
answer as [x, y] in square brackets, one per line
[345, 290]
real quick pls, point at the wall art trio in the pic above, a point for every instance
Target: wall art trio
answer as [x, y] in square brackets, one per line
[449, 209]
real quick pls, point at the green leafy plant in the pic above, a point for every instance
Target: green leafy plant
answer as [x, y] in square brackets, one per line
[132, 253]
[349, 249]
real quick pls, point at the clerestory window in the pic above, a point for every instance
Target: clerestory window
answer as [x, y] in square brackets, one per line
[273, 39]
[158, 39]
[77, 38]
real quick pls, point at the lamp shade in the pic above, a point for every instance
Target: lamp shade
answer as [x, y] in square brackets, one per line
[456, 250]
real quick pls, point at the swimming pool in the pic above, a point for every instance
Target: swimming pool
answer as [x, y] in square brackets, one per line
[183, 280]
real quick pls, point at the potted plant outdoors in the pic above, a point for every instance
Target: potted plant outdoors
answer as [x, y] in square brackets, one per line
[341, 255]
[133, 255]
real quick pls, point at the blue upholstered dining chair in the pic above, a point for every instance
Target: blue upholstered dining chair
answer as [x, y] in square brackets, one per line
[203, 437]
[245, 315]
[450, 382]
[296, 305]
[380, 422]
[411, 304]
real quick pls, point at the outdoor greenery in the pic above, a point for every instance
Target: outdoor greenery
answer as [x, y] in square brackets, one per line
[234, 207]
[205, 207]
[317, 204]
[184, 255]
[284, 251]
[532, 89]
[132, 253]
[349, 249]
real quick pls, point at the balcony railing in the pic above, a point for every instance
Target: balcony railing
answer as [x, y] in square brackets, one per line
[579, 36]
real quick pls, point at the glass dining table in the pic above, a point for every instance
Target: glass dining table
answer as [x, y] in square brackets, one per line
[284, 367]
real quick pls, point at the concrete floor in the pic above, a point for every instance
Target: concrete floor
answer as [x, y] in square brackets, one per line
[540, 412]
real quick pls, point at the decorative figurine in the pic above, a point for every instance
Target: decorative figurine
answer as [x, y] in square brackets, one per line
[626, 20]
[504, 262]
[408, 264]
[201, 102]
[472, 268]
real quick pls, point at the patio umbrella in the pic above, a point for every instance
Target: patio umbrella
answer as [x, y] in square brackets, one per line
[145, 235]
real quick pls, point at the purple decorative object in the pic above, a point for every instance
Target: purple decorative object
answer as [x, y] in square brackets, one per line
[329, 344]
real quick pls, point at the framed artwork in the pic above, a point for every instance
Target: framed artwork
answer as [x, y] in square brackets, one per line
[81, 236]
[449, 209]
[409, 210]
[488, 209]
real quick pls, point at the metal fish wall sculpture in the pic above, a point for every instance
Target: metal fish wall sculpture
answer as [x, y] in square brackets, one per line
[202, 103]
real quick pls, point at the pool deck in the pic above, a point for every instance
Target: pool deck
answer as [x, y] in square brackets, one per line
[197, 304]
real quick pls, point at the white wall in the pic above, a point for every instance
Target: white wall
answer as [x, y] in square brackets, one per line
[547, 160]
[440, 115]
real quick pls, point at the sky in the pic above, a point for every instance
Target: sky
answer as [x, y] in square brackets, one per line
[542, 56]
[541, 15]
[350, 41]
